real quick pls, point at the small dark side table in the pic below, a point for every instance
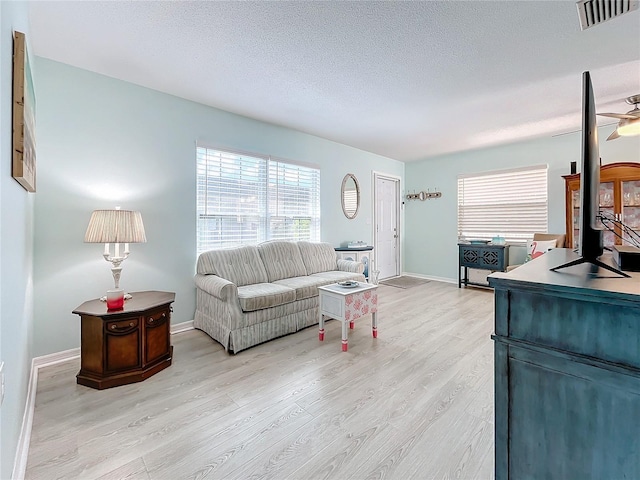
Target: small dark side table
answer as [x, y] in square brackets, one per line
[125, 346]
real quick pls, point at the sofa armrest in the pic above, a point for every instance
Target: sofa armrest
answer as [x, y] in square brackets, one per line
[350, 266]
[216, 286]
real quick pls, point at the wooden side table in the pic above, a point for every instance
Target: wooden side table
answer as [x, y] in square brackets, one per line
[347, 305]
[482, 256]
[125, 346]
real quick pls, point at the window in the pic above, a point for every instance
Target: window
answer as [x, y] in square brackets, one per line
[511, 203]
[247, 199]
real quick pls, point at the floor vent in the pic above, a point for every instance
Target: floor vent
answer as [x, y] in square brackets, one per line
[593, 12]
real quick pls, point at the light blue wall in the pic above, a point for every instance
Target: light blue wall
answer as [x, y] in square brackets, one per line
[16, 254]
[431, 226]
[103, 142]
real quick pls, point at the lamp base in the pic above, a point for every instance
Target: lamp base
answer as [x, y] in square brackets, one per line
[115, 299]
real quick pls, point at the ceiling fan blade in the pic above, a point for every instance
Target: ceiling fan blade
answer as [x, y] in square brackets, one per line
[619, 115]
[613, 136]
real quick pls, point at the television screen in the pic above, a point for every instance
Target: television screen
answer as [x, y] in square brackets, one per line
[590, 245]
[590, 241]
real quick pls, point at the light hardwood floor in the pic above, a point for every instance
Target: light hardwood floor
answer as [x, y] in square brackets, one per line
[417, 402]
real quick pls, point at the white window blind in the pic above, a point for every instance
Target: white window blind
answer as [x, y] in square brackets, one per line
[294, 201]
[245, 199]
[510, 203]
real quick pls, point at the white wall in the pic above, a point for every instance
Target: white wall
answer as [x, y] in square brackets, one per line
[431, 226]
[16, 254]
[103, 142]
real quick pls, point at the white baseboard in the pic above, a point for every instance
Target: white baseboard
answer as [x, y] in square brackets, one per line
[431, 277]
[22, 450]
[54, 358]
[181, 327]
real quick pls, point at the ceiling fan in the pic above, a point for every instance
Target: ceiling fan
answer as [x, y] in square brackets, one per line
[629, 123]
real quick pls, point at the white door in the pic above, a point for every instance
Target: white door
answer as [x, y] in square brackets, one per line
[387, 226]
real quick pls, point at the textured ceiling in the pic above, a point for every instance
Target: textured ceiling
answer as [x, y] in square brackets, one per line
[407, 80]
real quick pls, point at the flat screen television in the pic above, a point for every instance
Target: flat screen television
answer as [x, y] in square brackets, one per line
[590, 245]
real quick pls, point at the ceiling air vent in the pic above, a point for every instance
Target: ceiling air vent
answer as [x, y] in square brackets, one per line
[593, 12]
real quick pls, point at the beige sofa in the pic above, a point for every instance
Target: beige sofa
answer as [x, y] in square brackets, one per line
[251, 294]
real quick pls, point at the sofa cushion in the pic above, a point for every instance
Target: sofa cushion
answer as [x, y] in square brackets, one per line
[336, 276]
[264, 295]
[305, 287]
[318, 257]
[281, 260]
[240, 265]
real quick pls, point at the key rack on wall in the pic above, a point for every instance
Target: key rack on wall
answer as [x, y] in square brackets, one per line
[428, 195]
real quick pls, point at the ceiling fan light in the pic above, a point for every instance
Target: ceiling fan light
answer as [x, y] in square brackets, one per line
[629, 128]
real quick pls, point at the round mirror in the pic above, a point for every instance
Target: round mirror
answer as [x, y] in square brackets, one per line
[350, 194]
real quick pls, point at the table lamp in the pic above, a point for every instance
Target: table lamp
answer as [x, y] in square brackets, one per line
[115, 226]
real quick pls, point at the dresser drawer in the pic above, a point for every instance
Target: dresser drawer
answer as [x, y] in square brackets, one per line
[156, 319]
[122, 327]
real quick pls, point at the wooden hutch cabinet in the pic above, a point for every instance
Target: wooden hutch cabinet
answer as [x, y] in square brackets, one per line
[619, 199]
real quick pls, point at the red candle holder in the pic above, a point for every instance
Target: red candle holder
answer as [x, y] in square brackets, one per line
[115, 299]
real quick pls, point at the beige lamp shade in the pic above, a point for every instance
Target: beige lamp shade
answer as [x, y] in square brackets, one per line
[115, 226]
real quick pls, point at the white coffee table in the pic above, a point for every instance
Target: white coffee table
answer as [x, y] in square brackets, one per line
[347, 304]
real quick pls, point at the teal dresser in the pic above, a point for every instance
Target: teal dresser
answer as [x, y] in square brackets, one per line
[567, 372]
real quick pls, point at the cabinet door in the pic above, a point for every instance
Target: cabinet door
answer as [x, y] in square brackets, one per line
[575, 217]
[607, 209]
[122, 345]
[631, 209]
[156, 335]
